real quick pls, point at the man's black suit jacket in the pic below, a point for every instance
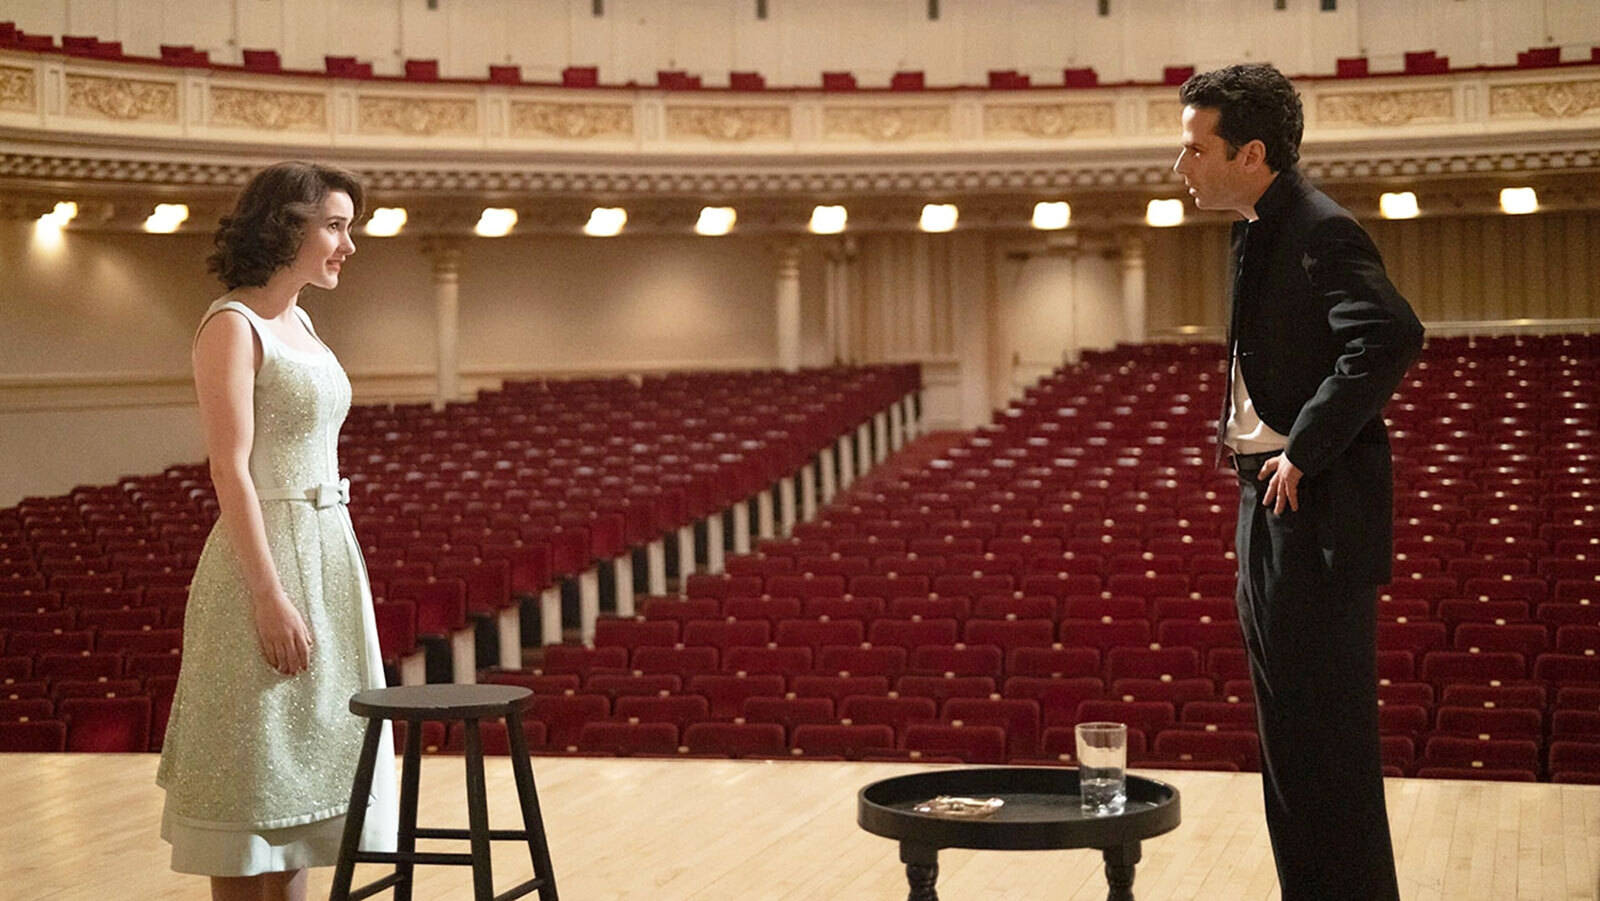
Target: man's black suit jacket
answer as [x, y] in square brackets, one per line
[1323, 339]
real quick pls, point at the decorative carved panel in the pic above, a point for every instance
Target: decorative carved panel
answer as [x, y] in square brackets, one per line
[571, 120]
[17, 90]
[126, 99]
[269, 110]
[420, 116]
[886, 123]
[1048, 120]
[729, 123]
[1385, 108]
[1555, 100]
[1164, 117]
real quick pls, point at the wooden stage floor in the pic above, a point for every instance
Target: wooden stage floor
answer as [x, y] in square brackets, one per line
[85, 827]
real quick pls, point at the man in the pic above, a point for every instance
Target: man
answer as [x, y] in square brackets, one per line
[1318, 341]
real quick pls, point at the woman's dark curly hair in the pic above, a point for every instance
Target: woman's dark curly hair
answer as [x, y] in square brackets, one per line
[1253, 102]
[268, 222]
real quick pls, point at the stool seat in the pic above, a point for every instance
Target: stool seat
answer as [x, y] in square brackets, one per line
[414, 703]
[469, 704]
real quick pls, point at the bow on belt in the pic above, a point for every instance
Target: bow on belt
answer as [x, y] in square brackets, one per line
[325, 495]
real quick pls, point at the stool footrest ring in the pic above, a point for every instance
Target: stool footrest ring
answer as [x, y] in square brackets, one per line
[497, 835]
[426, 858]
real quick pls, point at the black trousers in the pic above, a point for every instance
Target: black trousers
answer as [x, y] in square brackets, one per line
[1312, 642]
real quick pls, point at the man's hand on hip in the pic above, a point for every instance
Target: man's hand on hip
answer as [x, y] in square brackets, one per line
[1284, 487]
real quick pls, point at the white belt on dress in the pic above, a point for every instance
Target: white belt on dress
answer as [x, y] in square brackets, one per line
[325, 495]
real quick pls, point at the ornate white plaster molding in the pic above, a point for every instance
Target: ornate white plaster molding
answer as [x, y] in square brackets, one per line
[136, 126]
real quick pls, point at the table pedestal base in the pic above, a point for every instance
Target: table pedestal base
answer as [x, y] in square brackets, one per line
[922, 871]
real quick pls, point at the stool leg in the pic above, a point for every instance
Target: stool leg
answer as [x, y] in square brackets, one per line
[356, 817]
[406, 841]
[478, 817]
[528, 795]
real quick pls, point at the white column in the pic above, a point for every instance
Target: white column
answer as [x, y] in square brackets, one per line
[741, 527]
[623, 567]
[913, 422]
[897, 426]
[789, 307]
[829, 474]
[588, 603]
[550, 615]
[716, 556]
[765, 520]
[447, 319]
[836, 282]
[686, 561]
[808, 492]
[864, 448]
[1133, 288]
[656, 554]
[786, 512]
[508, 626]
[847, 462]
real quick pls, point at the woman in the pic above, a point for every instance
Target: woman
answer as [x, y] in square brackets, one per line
[261, 747]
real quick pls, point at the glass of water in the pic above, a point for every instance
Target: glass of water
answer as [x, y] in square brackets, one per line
[1102, 759]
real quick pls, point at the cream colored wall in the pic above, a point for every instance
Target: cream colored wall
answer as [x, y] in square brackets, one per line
[800, 40]
[1453, 269]
[94, 373]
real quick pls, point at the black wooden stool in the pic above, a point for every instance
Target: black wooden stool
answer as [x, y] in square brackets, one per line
[415, 704]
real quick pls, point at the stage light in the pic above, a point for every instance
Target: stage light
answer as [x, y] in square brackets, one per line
[939, 217]
[828, 220]
[605, 221]
[386, 221]
[1050, 216]
[1399, 205]
[495, 222]
[64, 212]
[166, 218]
[1164, 213]
[1518, 201]
[716, 220]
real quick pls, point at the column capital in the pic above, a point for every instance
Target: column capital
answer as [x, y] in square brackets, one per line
[788, 258]
[445, 254]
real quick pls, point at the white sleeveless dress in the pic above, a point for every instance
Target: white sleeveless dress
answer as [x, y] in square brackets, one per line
[257, 766]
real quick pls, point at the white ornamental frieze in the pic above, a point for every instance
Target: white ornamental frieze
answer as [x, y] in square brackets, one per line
[269, 110]
[1384, 108]
[574, 121]
[418, 116]
[1554, 100]
[1047, 120]
[125, 99]
[729, 123]
[886, 123]
[17, 89]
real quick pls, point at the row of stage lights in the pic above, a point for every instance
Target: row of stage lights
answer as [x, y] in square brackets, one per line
[606, 222]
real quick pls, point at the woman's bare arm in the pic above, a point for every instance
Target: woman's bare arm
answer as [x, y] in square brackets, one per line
[225, 361]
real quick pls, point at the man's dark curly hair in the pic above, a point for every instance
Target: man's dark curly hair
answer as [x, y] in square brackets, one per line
[1253, 102]
[268, 222]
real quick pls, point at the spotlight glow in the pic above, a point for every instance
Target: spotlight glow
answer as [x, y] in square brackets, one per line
[716, 220]
[64, 212]
[1164, 213]
[828, 220]
[1519, 201]
[606, 222]
[495, 222]
[386, 221]
[1050, 216]
[1398, 205]
[939, 217]
[166, 218]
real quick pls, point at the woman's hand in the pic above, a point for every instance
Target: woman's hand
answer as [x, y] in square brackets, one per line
[285, 639]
